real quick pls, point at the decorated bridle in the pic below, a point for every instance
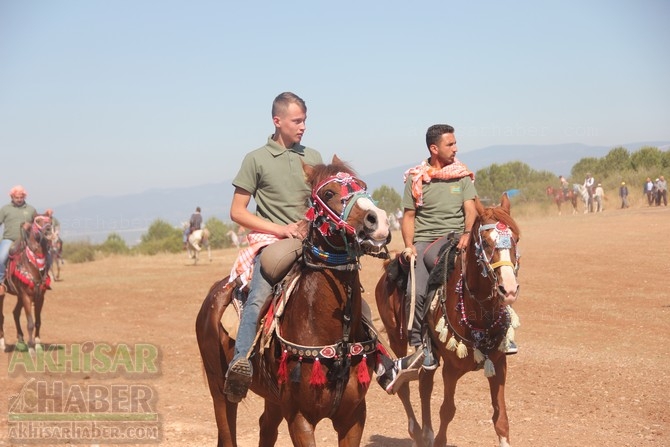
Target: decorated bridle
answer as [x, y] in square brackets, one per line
[504, 240]
[329, 223]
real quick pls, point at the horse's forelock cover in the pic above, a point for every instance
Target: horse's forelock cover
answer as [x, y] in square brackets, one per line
[500, 215]
[321, 172]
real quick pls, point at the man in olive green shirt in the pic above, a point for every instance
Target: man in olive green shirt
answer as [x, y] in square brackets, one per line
[13, 215]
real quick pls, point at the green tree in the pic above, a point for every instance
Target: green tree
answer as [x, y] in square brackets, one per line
[387, 198]
[647, 158]
[114, 244]
[161, 237]
[218, 233]
[587, 164]
[616, 160]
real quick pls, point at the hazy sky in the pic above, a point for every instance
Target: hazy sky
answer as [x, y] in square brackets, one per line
[112, 97]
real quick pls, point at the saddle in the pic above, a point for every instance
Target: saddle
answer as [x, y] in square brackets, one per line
[277, 260]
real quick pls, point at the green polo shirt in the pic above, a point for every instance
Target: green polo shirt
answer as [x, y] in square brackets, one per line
[13, 217]
[442, 210]
[273, 175]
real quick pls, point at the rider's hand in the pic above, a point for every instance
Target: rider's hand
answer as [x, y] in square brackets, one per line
[408, 252]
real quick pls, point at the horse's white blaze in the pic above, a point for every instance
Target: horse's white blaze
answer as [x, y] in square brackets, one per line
[508, 278]
[383, 228]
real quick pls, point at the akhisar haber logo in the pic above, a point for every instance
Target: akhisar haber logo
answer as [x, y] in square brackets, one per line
[92, 412]
[88, 358]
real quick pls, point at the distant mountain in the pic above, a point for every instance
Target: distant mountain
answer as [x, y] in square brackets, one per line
[94, 218]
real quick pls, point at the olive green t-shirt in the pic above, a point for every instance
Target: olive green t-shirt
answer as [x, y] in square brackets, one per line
[13, 217]
[442, 209]
[273, 175]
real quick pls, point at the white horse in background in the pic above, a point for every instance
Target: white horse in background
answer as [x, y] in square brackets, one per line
[584, 194]
[237, 239]
[197, 240]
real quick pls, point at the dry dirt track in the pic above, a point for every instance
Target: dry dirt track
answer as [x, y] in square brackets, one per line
[593, 369]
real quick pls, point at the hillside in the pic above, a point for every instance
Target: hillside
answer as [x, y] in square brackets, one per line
[94, 218]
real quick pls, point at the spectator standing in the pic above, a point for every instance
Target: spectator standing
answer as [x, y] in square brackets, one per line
[599, 195]
[623, 193]
[662, 190]
[649, 190]
[589, 184]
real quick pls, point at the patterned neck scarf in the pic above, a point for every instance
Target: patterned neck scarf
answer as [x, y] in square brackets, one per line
[424, 173]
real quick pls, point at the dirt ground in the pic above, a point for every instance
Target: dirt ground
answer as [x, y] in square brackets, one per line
[594, 360]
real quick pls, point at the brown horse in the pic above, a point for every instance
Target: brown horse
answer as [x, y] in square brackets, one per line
[558, 197]
[470, 321]
[27, 277]
[318, 361]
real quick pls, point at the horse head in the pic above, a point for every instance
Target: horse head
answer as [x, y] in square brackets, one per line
[495, 238]
[41, 235]
[343, 213]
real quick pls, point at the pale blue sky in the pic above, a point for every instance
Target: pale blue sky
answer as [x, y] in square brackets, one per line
[109, 97]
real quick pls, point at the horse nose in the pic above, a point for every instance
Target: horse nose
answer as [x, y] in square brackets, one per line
[371, 221]
[508, 297]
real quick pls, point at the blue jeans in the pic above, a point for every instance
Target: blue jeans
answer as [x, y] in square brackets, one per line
[259, 292]
[5, 245]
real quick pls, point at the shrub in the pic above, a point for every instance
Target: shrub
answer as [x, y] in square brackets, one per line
[78, 252]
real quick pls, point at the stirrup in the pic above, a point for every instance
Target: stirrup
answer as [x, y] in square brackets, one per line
[238, 379]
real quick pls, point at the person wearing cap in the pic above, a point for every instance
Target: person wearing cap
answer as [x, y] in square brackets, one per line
[15, 215]
[623, 193]
[589, 184]
[598, 196]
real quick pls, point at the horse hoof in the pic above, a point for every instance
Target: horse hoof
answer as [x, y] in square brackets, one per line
[31, 350]
[38, 348]
[21, 346]
[3, 347]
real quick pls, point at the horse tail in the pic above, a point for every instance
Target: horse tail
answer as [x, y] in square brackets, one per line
[209, 332]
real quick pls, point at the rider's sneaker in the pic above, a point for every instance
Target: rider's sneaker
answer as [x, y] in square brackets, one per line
[512, 348]
[238, 380]
[404, 369]
[430, 363]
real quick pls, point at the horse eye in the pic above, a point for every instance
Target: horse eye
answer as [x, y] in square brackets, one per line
[328, 195]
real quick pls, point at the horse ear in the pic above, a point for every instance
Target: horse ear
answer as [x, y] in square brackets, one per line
[336, 159]
[505, 203]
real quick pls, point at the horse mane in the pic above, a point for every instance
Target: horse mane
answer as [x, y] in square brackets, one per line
[321, 172]
[496, 213]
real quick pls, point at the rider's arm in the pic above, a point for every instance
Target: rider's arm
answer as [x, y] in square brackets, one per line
[470, 216]
[240, 214]
[407, 229]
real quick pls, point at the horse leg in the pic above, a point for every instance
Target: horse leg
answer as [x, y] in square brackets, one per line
[413, 426]
[450, 376]
[2, 324]
[426, 382]
[30, 320]
[225, 413]
[39, 303]
[350, 433]
[301, 431]
[497, 388]
[269, 424]
[20, 343]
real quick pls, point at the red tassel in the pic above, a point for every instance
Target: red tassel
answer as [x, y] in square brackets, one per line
[324, 229]
[318, 377]
[310, 214]
[382, 350]
[363, 373]
[282, 372]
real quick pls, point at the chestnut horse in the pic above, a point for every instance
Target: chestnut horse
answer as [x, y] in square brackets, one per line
[558, 197]
[27, 278]
[470, 323]
[318, 361]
